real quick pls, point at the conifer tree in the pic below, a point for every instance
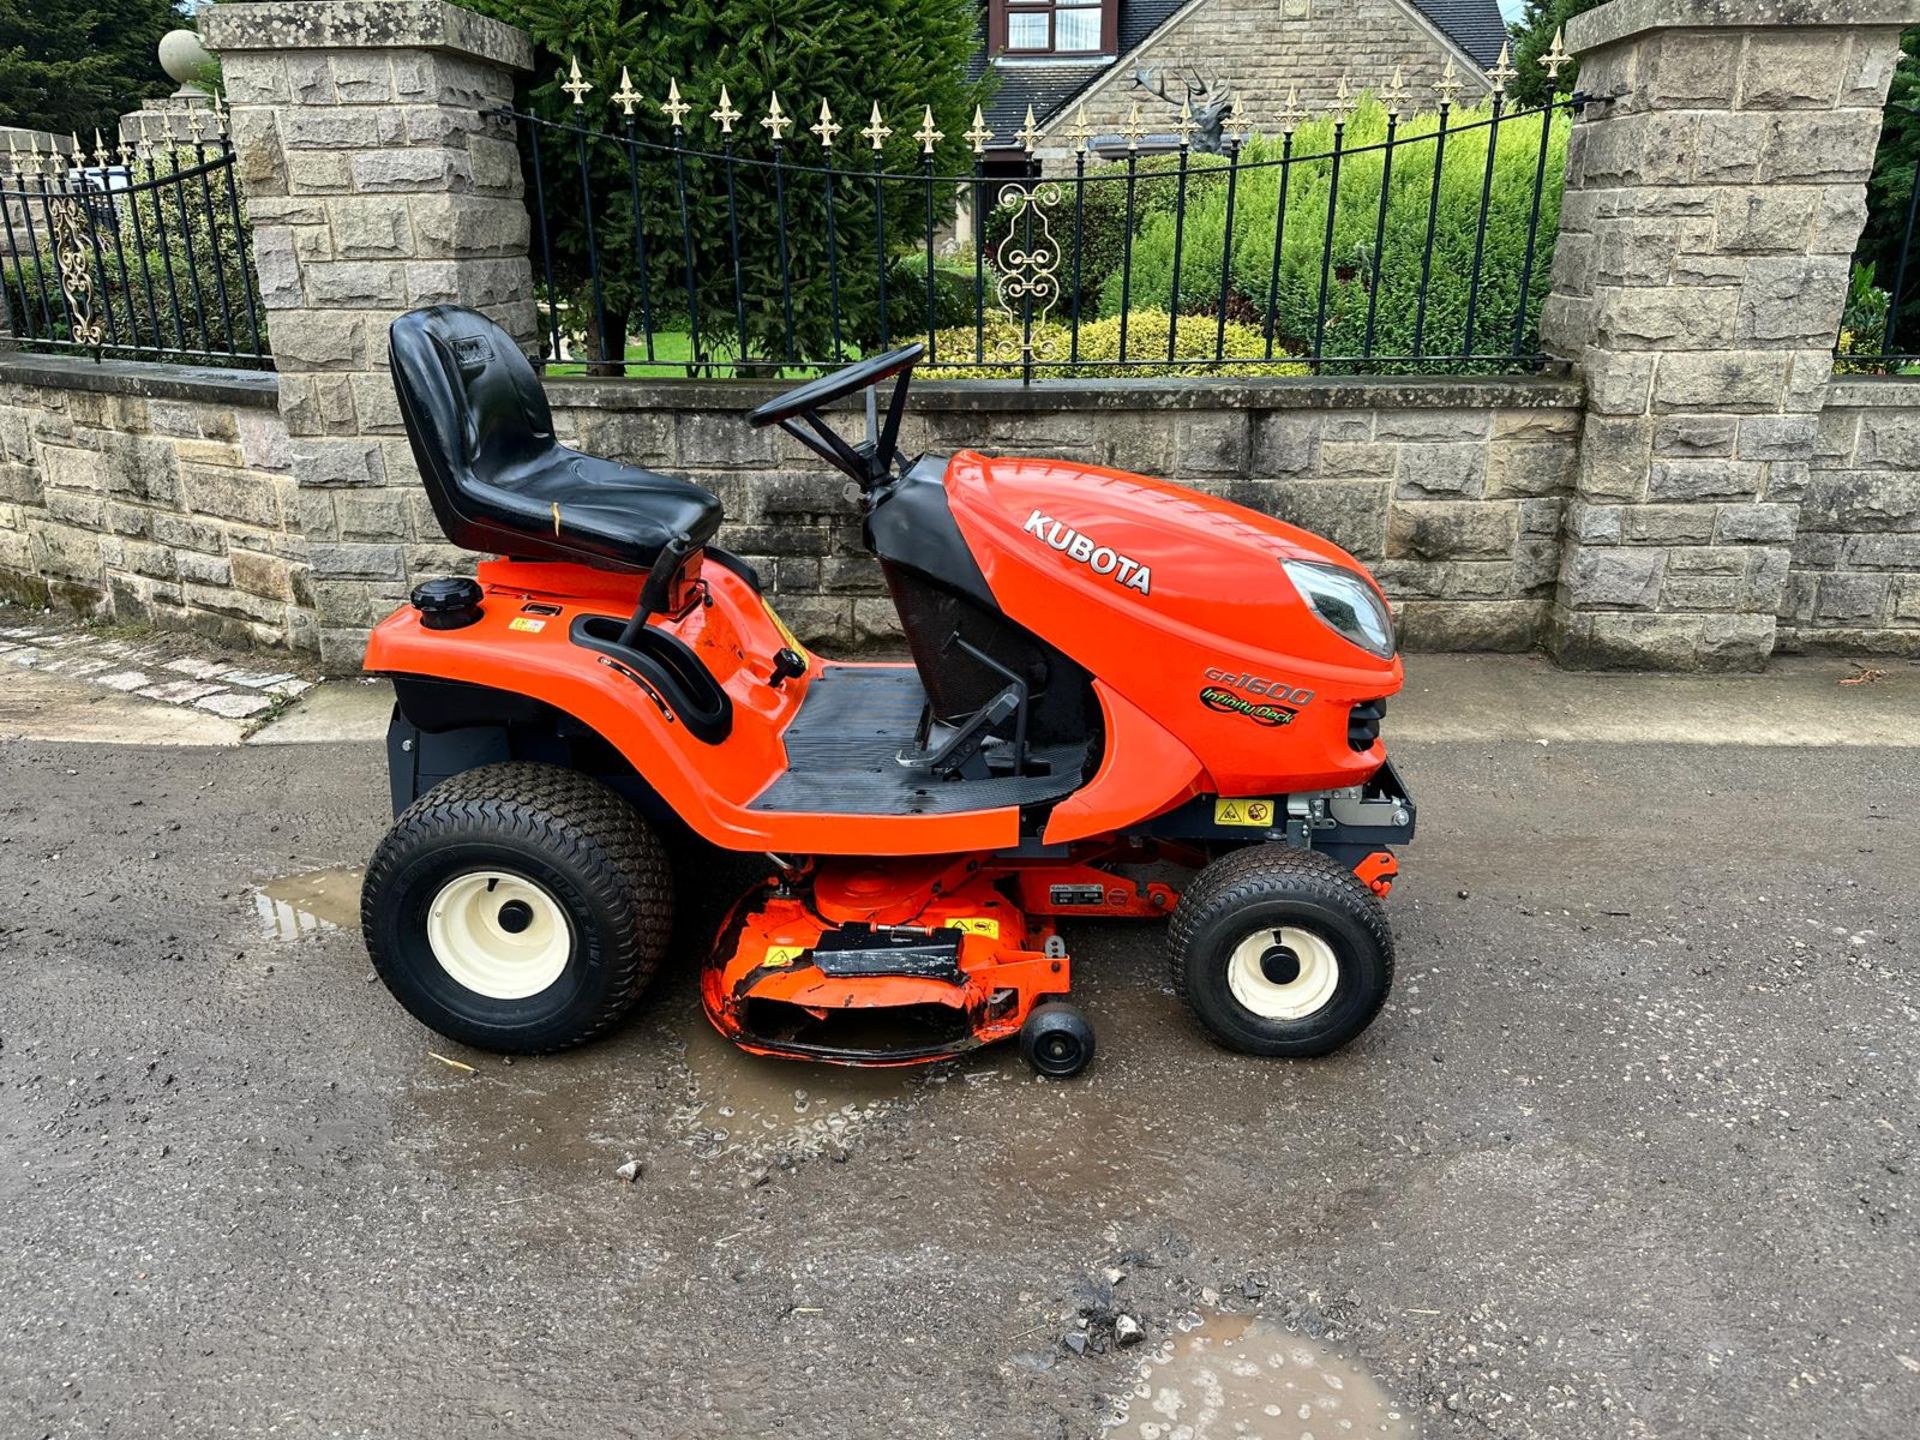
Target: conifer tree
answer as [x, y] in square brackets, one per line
[72, 65]
[902, 55]
[1533, 36]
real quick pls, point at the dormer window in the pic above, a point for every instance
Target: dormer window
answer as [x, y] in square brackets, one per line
[1055, 27]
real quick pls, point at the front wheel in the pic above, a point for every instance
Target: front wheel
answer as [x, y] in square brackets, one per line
[1056, 1040]
[518, 908]
[1281, 951]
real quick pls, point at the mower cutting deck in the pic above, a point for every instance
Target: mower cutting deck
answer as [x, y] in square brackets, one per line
[1115, 683]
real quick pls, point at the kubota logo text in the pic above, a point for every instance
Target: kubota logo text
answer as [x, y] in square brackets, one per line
[1101, 559]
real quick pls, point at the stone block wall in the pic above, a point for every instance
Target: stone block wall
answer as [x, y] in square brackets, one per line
[377, 180]
[1854, 585]
[166, 495]
[152, 493]
[1715, 193]
[1452, 491]
[1264, 49]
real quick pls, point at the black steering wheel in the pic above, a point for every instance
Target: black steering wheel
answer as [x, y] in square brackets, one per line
[870, 461]
[840, 383]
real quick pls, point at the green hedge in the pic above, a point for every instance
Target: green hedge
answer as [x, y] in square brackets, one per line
[1356, 211]
[953, 293]
[1147, 331]
[137, 309]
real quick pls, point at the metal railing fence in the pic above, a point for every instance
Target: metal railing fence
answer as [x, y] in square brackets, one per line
[1372, 239]
[139, 251]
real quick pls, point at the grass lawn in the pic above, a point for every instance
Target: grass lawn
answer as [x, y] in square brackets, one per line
[671, 355]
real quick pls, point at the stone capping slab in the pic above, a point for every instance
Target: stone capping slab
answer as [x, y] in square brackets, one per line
[276, 25]
[1882, 392]
[148, 379]
[1492, 392]
[1622, 19]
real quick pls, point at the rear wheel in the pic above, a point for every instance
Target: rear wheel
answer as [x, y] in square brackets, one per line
[1281, 951]
[519, 908]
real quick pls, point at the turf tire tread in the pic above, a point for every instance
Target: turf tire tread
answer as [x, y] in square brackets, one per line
[566, 814]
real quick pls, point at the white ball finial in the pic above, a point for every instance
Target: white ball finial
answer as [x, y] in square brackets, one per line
[185, 60]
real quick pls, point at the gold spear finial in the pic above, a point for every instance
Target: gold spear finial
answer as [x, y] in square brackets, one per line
[1394, 97]
[100, 153]
[1133, 129]
[1081, 131]
[1186, 125]
[1029, 132]
[1341, 105]
[876, 129]
[726, 114]
[825, 128]
[626, 97]
[1501, 73]
[927, 135]
[1448, 85]
[1291, 114]
[673, 107]
[144, 148]
[1556, 59]
[977, 134]
[1236, 127]
[775, 123]
[577, 85]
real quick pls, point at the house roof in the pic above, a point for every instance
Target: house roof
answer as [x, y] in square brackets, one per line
[1474, 25]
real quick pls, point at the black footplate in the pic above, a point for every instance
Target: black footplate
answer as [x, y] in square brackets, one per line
[843, 752]
[861, 950]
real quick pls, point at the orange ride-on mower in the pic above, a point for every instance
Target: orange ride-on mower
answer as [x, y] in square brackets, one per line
[1126, 700]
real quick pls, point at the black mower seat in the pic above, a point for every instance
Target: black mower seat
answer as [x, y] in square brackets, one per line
[482, 435]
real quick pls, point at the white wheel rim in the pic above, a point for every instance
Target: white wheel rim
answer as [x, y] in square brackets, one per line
[1309, 969]
[487, 953]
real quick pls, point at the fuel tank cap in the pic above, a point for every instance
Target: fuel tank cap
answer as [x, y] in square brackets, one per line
[448, 602]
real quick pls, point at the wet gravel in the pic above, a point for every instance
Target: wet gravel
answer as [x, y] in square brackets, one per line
[1631, 1153]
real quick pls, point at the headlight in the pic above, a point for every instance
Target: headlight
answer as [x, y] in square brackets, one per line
[1349, 606]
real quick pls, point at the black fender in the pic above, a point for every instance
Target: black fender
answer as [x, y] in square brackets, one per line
[441, 728]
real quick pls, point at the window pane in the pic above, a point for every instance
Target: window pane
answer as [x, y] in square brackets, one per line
[1077, 29]
[1026, 32]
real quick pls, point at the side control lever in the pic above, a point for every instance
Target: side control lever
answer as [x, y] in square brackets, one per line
[786, 665]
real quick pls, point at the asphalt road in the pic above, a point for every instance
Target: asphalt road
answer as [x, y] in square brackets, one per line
[1632, 1151]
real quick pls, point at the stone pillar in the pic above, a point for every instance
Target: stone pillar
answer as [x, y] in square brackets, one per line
[375, 182]
[1715, 191]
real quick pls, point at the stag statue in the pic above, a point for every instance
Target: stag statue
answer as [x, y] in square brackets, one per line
[1208, 99]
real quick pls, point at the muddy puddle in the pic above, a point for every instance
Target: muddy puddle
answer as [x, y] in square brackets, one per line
[297, 905]
[722, 1103]
[1239, 1376]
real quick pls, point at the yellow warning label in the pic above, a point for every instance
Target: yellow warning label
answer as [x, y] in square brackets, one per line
[1257, 813]
[977, 925]
[522, 622]
[779, 956]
